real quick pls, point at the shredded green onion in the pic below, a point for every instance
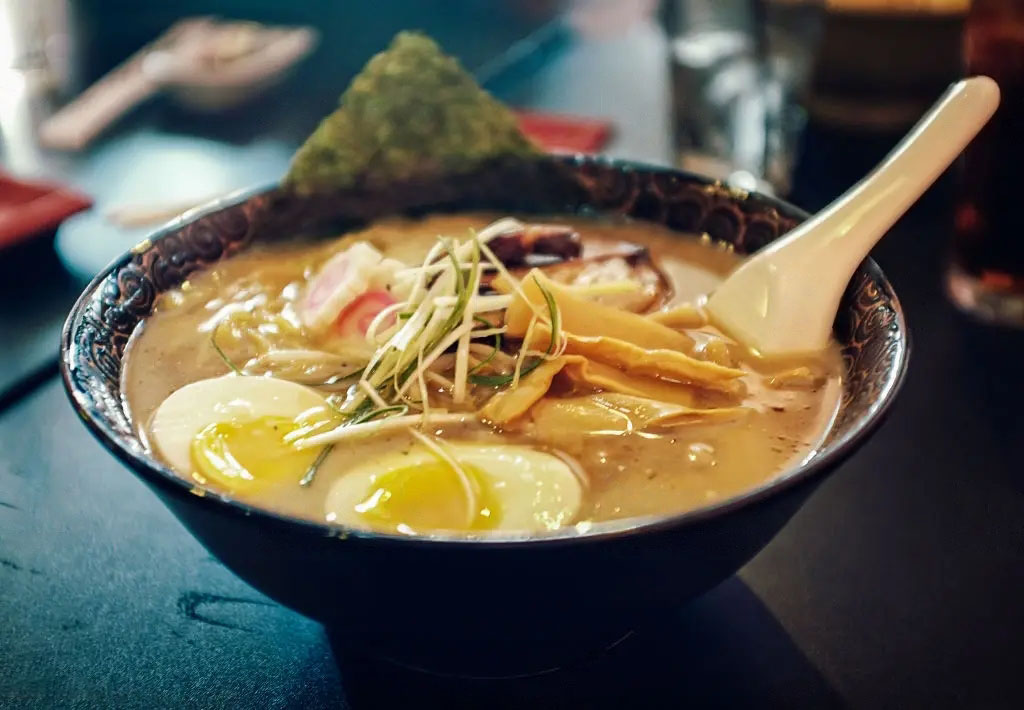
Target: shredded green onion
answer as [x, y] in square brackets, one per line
[502, 380]
[463, 281]
[223, 356]
[337, 379]
[533, 364]
[497, 346]
[401, 409]
[440, 313]
[556, 319]
[315, 466]
[461, 291]
[396, 410]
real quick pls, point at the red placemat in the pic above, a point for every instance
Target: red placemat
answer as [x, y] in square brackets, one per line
[29, 208]
[561, 134]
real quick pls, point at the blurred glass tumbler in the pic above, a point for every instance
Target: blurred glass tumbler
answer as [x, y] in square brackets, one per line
[738, 67]
[986, 272]
[881, 63]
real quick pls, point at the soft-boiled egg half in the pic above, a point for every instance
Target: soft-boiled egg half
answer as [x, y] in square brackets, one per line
[238, 434]
[499, 488]
[235, 431]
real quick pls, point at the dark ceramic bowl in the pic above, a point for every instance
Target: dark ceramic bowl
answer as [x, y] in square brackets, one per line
[493, 607]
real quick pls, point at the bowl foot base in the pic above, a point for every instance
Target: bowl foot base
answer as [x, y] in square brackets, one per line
[512, 659]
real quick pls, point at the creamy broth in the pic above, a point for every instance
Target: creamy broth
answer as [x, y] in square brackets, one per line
[249, 303]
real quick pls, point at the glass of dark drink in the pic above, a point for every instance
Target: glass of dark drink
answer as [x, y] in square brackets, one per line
[986, 273]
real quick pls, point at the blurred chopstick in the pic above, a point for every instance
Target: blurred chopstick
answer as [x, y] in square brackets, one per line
[525, 57]
[131, 216]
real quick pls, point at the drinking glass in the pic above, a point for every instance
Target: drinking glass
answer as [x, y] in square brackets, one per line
[986, 270]
[739, 68]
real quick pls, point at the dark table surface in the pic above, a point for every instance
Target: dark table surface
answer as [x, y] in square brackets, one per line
[899, 583]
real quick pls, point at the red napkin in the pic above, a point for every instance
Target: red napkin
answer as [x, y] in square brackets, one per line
[565, 134]
[29, 208]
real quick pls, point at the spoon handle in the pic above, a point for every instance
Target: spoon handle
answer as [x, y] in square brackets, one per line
[858, 219]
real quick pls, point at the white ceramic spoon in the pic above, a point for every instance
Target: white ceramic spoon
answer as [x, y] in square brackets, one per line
[782, 301]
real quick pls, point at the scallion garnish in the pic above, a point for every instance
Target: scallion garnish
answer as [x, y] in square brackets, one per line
[396, 410]
[534, 363]
[555, 315]
[315, 466]
[497, 346]
[338, 379]
[441, 313]
[223, 356]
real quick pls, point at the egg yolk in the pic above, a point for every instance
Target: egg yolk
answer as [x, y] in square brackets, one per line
[247, 455]
[429, 496]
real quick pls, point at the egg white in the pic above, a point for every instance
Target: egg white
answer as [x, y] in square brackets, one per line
[189, 410]
[537, 491]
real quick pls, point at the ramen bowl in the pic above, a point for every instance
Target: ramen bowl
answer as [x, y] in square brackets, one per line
[487, 606]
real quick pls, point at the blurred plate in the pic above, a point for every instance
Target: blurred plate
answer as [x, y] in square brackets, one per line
[143, 180]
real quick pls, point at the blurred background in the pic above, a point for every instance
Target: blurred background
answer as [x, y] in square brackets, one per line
[721, 87]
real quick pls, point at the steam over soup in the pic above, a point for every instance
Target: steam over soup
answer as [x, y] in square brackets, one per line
[469, 373]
